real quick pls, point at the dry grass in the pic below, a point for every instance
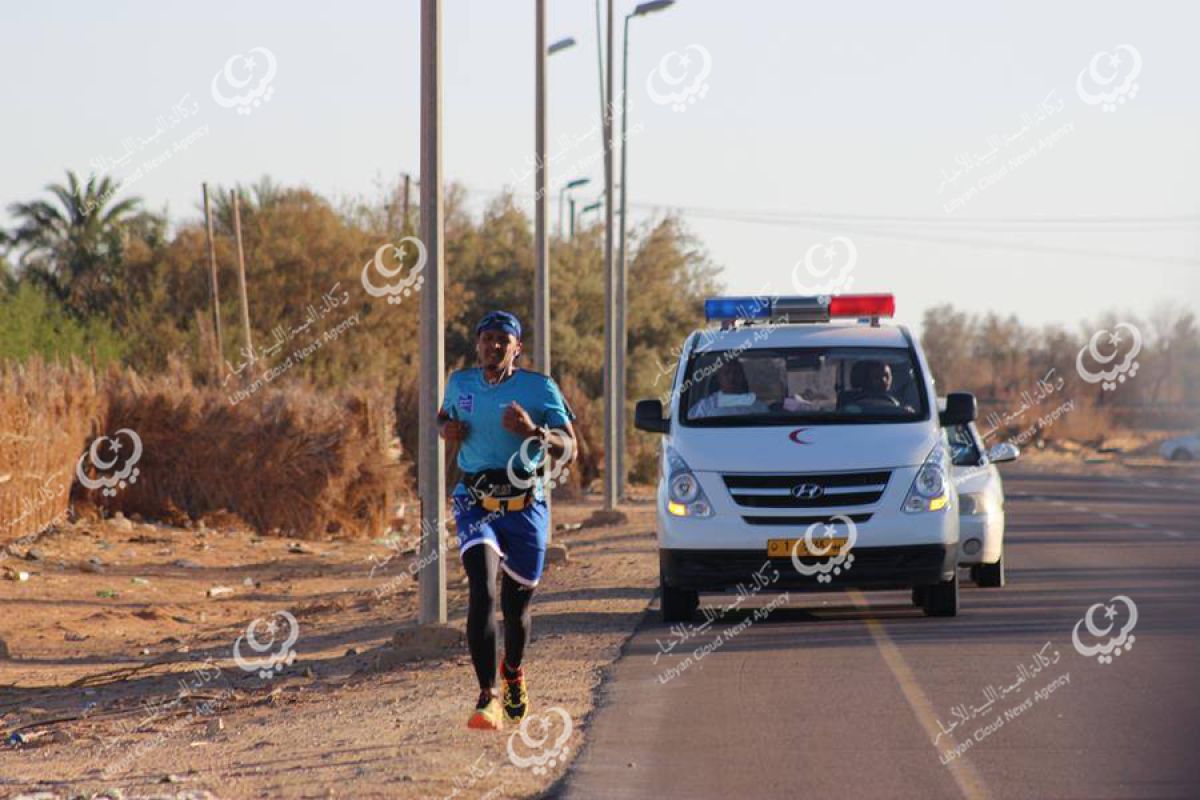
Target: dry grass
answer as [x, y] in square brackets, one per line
[47, 414]
[291, 460]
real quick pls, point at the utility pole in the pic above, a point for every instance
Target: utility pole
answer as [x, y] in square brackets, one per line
[241, 254]
[622, 271]
[431, 455]
[407, 187]
[212, 268]
[610, 301]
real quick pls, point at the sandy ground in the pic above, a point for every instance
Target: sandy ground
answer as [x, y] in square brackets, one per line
[121, 676]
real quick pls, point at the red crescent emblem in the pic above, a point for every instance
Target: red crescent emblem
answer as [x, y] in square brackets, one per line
[795, 436]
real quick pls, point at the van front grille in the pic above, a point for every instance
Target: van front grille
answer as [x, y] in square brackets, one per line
[824, 490]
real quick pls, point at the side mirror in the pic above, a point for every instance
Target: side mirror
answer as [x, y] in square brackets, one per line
[960, 409]
[648, 416]
[1005, 451]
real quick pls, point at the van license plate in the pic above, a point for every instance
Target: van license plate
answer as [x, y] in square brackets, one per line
[822, 548]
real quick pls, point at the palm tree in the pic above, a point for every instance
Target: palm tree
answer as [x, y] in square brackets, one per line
[74, 248]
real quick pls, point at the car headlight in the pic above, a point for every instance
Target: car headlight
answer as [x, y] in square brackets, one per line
[930, 490]
[685, 498]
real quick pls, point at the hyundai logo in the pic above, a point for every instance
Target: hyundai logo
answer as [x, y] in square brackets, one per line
[807, 491]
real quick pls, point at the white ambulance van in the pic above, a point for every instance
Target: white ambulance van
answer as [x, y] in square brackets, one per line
[802, 442]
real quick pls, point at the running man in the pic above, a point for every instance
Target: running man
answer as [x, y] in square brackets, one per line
[503, 419]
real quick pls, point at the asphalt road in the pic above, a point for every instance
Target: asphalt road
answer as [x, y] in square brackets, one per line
[860, 695]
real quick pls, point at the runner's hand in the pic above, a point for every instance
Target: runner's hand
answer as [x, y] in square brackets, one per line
[517, 420]
[454, 430]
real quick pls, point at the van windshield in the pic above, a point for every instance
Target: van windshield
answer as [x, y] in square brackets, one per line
[783, 386]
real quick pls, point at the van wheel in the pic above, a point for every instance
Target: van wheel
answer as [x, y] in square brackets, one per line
[941, 599]
[989, 576]
[678, 605]
[918, 596]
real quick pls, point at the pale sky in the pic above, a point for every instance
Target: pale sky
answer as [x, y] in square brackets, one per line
[824, 120]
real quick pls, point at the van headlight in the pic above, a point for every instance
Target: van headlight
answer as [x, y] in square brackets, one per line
[685, 498]
[930, 490]
[684, 487]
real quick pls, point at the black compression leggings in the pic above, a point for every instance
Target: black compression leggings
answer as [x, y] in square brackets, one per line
[482, 563]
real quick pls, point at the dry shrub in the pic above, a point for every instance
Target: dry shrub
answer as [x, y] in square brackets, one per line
[288, 460]
[1074, 419]
[1085, 422]
[47, 413]
[588, 431]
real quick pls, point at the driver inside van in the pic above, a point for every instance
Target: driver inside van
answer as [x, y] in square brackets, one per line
[733, 395]
[871, 385]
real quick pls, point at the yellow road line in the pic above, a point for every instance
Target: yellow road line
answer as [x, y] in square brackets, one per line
[969, 781]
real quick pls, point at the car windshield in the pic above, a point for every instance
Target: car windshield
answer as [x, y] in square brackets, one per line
[781, 386]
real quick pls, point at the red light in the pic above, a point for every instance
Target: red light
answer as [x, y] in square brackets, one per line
[862, 305]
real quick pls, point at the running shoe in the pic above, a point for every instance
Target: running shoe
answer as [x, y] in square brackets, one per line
[516, 698]
[487, 715]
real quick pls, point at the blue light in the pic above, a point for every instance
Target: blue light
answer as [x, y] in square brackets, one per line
[737, 308]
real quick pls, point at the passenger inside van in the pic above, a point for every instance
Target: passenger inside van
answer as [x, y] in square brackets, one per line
[733, 395]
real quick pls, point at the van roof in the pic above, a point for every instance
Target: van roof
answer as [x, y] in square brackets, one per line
[827, 334]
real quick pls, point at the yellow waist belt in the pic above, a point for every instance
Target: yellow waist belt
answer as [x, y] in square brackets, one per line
[505, 504]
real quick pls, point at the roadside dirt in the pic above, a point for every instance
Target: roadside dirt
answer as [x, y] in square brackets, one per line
[120, 672]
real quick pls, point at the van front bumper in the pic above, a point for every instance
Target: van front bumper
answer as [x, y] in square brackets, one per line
[896, 567]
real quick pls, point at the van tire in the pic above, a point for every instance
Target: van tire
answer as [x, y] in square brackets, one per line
[918, 596]
[941, 599]
[678, 605]
[989, 576]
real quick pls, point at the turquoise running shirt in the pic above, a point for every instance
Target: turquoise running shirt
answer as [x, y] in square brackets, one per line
[481, 405]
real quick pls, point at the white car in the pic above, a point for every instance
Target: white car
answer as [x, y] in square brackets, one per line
[1182, 448]
[980, 502]
[802, 413]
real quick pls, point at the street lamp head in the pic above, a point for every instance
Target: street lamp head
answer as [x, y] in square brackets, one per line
[591, 207]
[651, 7]
[575, 184]
[561, 44]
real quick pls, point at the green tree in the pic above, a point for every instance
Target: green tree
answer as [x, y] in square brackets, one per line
[32, 324]
[74, 248]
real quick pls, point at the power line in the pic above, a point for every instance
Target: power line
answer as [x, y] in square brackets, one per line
[860, 225]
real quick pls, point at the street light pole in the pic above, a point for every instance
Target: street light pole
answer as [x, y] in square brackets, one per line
[431, 454]
[541, 290]
[590, 207]
[610, 301]
[566, 191]
[622, 265]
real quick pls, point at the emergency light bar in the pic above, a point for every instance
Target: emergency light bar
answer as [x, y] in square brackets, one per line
[798, 308]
